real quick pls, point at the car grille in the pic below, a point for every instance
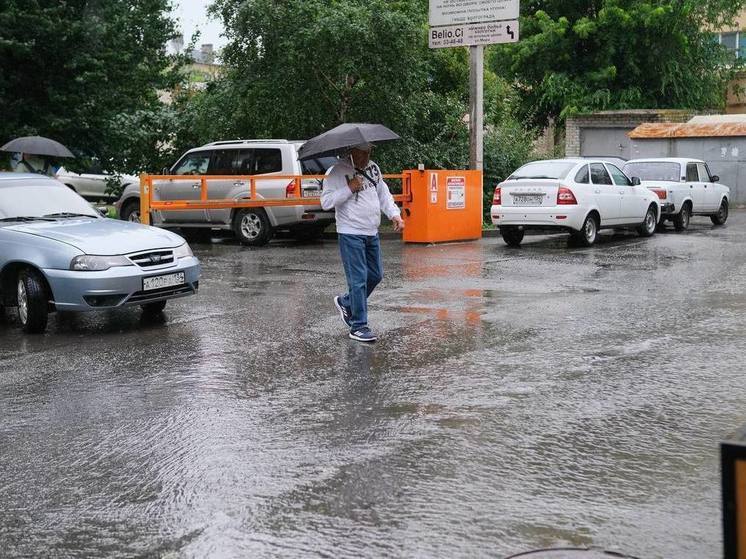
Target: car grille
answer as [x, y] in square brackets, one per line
[145, 296]
[153, 258]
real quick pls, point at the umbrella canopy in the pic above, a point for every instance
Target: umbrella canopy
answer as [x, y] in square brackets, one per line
[343, 137]
[37, 145]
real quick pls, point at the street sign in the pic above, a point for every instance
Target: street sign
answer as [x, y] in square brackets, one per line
[453, 12]
[469, 35]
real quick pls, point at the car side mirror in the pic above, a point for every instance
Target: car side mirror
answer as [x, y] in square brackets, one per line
[636, 181]
[103, 210]
[715, 178]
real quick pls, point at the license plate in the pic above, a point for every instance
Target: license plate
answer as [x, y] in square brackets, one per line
[159, 282]
[311, 193]
[527, 200]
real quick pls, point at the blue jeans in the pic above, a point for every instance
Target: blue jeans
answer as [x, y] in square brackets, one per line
[361, 258]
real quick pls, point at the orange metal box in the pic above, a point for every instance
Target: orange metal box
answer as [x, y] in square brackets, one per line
[444, 206]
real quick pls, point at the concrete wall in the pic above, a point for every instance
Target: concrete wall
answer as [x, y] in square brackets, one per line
[584, 133]
[725, 156]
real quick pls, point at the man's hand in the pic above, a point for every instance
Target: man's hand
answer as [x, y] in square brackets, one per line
[355, 183]
[398, 223]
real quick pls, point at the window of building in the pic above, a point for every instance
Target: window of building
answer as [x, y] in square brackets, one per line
[734, 41]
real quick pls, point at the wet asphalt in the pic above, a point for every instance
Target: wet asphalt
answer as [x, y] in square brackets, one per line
[516, 399]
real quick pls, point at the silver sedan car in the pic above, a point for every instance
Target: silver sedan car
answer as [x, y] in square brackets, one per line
[57, 253]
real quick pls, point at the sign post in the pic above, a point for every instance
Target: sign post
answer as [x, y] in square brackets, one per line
[474, 23]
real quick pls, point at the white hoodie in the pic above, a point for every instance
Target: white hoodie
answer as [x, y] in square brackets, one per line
[357, 213]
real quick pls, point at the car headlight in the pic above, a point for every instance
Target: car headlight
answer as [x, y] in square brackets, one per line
[89, 263]
[183, 251]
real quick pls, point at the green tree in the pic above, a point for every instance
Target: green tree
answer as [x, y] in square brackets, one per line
[588, 55]
[87, 73]
[298, 67]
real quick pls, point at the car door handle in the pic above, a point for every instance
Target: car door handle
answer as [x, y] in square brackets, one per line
[196, 185]
[597, 192]
[239, 183]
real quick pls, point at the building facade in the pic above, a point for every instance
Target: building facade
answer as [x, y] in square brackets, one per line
[734, 39]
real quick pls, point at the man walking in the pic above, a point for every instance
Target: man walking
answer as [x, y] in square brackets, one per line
[356, 190]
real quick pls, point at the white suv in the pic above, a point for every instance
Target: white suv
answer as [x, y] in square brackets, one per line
[685, 187]
[579, 196]
[252, 226]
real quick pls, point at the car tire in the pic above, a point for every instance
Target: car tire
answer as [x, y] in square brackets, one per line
[154, 308]
[722, 216]
[588, 234]
[681, 220]
[648, 227]
[33, 305]
[513, 236]
[131, 211]
[252, 227]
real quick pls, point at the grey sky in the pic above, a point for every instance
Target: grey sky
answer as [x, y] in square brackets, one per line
[191, 15]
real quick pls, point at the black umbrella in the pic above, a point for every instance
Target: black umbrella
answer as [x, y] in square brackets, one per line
[343, 137]
[37, 145]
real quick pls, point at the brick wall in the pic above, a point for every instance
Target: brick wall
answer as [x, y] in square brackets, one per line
[628, 120]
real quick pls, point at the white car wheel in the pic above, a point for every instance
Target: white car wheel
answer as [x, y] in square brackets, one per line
[252, 227]
[22, 302]
[588, 233]
[647, 229]
[681, 220]
[722, 216]
[33, 307]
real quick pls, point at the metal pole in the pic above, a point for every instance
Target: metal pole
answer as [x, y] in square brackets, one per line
[476, 107]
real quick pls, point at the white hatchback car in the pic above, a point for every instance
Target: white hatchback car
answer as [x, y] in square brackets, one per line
[579, 196]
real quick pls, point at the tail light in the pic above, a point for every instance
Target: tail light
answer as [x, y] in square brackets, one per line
[565, 197]
[290, 190]
[660, 192]
[497, 199]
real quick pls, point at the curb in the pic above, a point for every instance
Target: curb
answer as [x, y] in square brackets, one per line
[390, 235]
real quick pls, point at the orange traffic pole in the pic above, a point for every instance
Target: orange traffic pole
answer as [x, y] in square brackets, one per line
[145, 189]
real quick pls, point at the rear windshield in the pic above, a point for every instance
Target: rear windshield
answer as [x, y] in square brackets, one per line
[544, 170]
[654, 171]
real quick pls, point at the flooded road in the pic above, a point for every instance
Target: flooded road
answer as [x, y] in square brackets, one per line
[516, 399]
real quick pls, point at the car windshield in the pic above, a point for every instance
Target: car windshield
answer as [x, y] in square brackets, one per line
[544, 170]
[654, 171]
[39, 200]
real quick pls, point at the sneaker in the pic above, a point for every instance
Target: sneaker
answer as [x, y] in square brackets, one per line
[363, 335]
[344, 312]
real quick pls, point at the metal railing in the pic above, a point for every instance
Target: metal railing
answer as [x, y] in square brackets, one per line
[249, 199]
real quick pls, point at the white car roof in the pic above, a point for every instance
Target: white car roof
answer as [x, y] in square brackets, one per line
[680, 160]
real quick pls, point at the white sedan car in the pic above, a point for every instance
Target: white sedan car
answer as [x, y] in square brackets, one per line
[686, 187]
[579, 196]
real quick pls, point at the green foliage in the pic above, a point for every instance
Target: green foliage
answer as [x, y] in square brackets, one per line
[592, 55]
[298, 67]
[87, 73]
